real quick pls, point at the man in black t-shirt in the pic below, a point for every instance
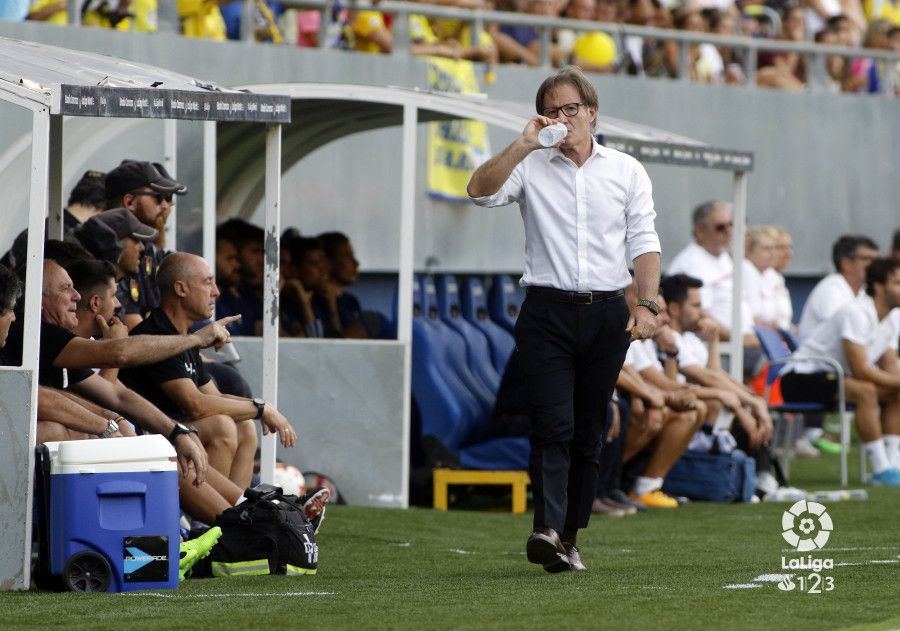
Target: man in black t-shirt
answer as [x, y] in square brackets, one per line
[180, 384]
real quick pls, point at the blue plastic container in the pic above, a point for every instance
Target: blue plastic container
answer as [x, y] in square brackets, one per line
[114, 514]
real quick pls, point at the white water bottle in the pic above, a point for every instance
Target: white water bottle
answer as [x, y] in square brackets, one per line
[552, 134]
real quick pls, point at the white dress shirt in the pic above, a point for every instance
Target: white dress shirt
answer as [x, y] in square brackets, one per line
[578, 220]
[717, 274]
[829, 295]
[857, 322]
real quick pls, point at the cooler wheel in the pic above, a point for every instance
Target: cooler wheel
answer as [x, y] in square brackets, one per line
[87, 572]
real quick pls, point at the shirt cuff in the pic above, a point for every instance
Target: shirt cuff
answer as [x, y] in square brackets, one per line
[642, 244]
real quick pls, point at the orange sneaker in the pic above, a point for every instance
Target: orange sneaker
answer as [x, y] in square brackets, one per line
[655, 499]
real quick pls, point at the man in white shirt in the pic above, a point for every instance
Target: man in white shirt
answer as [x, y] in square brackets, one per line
[851, 255]
[582, 205]
[862, 335]
[709, 260]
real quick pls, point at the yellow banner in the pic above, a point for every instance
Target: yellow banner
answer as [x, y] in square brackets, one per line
[455, 147]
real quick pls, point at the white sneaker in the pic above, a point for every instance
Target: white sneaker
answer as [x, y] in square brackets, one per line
[786, 494]
[803, 448]
[766, 483]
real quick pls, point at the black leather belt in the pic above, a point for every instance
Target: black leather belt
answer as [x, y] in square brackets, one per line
[575, 297]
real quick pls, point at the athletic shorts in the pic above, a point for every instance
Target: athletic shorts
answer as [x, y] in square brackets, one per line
[815, 387]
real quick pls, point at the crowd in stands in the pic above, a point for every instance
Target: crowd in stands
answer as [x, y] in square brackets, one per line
[854, 24]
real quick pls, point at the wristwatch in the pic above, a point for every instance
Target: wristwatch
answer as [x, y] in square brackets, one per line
[111, 428]
[260, 407]
[649, 304]
[179, 429]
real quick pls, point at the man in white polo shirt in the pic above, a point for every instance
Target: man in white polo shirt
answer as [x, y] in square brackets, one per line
[851, 255]
[709, 260]
[862, 335]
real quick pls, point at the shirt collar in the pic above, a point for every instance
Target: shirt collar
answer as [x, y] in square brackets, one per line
[596, 149]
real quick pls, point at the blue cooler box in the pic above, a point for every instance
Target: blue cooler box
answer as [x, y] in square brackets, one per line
[114, 514]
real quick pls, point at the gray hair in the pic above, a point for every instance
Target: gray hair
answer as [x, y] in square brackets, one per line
[703, 211]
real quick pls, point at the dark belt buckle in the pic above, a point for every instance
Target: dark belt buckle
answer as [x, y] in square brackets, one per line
[583, 297]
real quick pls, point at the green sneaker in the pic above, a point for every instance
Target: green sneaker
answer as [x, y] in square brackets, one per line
[828, 444]
[196, 549]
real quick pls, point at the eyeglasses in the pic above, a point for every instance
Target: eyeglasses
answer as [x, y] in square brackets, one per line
[160, 197]
[723, 227]
[569, 109]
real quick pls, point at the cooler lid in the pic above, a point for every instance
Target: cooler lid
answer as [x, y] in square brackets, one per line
[129, 452]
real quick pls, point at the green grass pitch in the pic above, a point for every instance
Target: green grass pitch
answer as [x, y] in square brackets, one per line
[464, 569]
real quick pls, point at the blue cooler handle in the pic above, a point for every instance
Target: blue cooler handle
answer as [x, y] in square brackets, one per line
[122, 487]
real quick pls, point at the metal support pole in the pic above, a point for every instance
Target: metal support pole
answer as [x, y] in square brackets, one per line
[73, 7]
[270, 294]
[170, 161]
[248, 13]
[546, 47]
[740, 230]
[54, 209]
[405, 280]
[400, 28]
[40, 149]
[209, 193]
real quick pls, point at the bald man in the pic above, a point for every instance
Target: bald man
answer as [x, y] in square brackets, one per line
[181, 385]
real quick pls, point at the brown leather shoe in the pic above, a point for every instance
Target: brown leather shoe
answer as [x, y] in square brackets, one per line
[574, 556]
[600, 507]
[545, 548]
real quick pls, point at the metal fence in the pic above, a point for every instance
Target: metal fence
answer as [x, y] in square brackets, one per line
[746, 49]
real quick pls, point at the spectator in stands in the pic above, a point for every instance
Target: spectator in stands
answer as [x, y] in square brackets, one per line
[756, 286]
[862, 335]
[14, 10]
[521, 44]
[725, 23]
[774, 277]
[706, 64]
[143, 190]
[851, 255]
[785, 70]
[122, 15]
[265, 20]
[368, 32]
[820, 13]
[592, 51]
[882, 9]
[180, 385]
[202, 18]
[709, 260]
[245, 296]
[645, 56]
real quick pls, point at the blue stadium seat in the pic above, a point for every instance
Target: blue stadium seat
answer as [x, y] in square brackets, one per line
[503, 302]
[477, 348]
[456, 351]
[474, 309]
[448, 411]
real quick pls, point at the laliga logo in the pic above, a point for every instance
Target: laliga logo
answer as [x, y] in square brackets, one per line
[814, 524]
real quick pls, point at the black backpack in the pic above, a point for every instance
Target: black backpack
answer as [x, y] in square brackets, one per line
[267, 533]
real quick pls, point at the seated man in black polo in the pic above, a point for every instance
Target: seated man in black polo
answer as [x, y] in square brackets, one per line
[180, 385]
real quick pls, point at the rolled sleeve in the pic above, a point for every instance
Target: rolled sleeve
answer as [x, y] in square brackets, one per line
[640, 231]
[510, 192]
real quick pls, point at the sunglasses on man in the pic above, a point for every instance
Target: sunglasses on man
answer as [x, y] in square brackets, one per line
[159, 197]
